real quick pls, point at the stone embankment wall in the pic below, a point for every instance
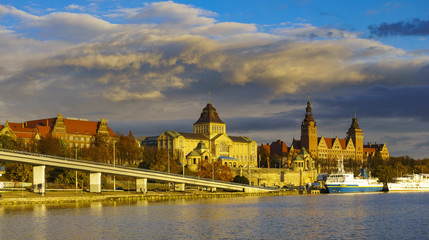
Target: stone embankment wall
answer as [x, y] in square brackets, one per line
[270, 177]
[136, 197]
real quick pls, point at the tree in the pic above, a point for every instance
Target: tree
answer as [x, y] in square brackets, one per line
[221, 172]
[15, 171]
[128, 150]
[7, 142]
[19, 172]
[241, 179]
[264, 156]
[51, 145]
[161, 161]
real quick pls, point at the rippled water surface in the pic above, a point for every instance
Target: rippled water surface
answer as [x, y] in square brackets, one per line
[336, 216]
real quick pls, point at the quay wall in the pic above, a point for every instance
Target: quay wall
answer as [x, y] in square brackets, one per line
[135, 197]
[279, 177]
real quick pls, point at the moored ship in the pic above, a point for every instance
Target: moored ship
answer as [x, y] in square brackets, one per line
[343, 182]
[412, 182]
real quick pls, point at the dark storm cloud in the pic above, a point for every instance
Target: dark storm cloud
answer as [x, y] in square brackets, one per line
[151, 128]
[381, 101]
[414, 27]
[279, 122]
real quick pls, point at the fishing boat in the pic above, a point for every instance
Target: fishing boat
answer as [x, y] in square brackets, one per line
[344, 182]
[410, 182]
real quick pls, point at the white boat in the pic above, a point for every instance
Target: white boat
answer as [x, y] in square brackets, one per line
[343, 182]
[410, 182]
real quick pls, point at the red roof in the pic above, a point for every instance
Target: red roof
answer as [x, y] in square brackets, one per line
[44, 130]
[369, 150]
[343, 143]
[329, 142]
[21, 131]
[29, 129]
[266, 147]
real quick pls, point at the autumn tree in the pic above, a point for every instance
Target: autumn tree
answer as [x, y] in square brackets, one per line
[101, 150]
[221, 172]
[15, 171]
[158, 160]
[51, 145]
[264, 156]
[128, 150]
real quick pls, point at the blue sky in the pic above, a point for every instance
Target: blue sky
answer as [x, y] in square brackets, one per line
[147, 66]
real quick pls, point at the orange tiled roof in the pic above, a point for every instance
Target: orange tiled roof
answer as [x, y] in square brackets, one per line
[329, 142]
[81, 127]
[369, 150]
[44, 130]
[84, 127]
[267, 148]
[21, 131]
[342, 143]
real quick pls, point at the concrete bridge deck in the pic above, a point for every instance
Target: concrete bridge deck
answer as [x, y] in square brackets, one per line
[95, 169]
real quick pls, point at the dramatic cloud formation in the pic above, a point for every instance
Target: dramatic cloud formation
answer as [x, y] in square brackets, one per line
[152, 67]
[414, 27]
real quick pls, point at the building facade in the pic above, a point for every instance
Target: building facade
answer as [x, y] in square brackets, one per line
[327, 150]
[76, 133]
[209, 142]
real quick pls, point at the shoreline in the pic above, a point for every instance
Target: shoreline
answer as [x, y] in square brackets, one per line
[29, 198]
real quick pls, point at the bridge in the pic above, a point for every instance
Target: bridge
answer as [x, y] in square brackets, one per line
[95, 169]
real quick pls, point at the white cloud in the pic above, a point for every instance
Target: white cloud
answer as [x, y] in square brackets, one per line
[74, 7]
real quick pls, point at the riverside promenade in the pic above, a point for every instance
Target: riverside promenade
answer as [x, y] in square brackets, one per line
[25, 197]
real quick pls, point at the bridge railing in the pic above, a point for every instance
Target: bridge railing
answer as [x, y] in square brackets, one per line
[126, 167]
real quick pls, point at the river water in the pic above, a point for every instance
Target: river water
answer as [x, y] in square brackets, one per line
[328, 216]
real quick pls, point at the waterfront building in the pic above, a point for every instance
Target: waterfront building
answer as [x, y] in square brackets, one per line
[209, 141]
[75, 132]
[327, 150]
[371, 149]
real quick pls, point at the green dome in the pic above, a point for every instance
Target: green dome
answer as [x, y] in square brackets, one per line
[193, 154]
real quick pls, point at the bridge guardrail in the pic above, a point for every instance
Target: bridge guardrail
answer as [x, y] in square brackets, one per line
[130, 168]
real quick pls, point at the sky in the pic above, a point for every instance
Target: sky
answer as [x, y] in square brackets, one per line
[148, 66]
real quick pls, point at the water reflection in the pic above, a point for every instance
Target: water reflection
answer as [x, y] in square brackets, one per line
[370, 216]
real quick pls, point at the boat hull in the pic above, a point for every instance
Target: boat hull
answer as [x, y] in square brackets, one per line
[407, 188]
[342, 188]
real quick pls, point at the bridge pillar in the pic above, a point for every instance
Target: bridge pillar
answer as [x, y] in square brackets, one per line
[141, 185]
[179, 187]
[39, 179]
[95, 182]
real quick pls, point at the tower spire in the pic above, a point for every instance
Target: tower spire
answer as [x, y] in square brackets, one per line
[209, 96]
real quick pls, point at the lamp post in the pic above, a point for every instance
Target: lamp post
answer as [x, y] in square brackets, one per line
[248, 165]
[75, 156]
[168, 158]
[114, 163]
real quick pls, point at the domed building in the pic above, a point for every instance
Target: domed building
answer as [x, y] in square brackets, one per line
[208, 142]
[305, 165]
